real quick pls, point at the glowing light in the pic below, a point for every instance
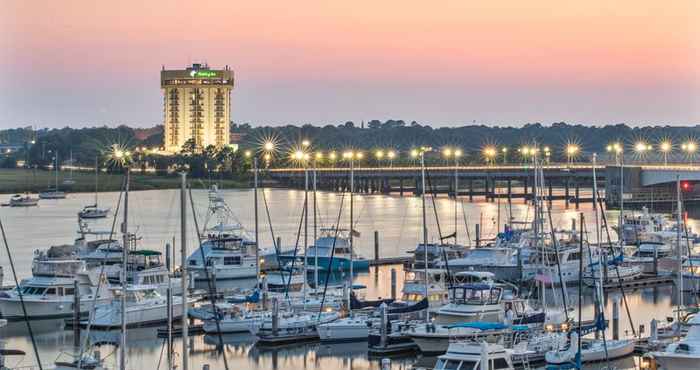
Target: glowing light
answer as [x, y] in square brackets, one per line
[332, 155]
[640, 147]
[572, 150]
[665, 146]
[269, 146]
[689, 147]
[267, 157]
[614, 148]
[414, 153]
[391, 154]
[319, 155]
[298, 155]
[305, 143]
[379, 154]
[458, 153]
[248, 153]
[504, 150]
[489, 152]
[359, 155]
[447, 152]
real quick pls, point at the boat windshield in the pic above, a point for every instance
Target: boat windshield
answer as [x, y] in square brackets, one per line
[448, 364]
[476, 294]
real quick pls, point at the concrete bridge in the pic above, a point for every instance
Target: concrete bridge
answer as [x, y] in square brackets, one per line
[644, 184]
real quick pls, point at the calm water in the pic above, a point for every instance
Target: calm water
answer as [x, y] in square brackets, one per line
[155, 216]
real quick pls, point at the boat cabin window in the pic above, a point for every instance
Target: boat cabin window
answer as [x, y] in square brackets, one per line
[235, 260]
[193, 262]
[69, 291]
[453, 365]
[476, 294]
[51, 291]
[499, 363]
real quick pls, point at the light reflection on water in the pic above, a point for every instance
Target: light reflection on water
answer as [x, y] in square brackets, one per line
[155, 215]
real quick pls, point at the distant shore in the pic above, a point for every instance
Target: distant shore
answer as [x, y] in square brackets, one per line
[33, 181]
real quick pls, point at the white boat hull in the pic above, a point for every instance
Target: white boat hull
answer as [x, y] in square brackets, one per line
[224, 273]
[109, 316]
[11, 308]
[676, 361]
[615, 350]
[346, 330]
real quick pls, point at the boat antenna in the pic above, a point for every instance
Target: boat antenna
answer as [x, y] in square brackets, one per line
[210, 285]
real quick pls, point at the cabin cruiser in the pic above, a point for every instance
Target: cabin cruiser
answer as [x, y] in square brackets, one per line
[613, 272]
[437, 253]
[46, 296]
[414, 286]
[348, 329]
[284, 281]
[545, 264]
[333, 243]
[235, 320]
[144, 306]
[636, 227]
[645, 253]
[23, 200]
[52, 194]
[683, 354]
[472, 355]
[288, 323]
[475, 302]
[502, 261]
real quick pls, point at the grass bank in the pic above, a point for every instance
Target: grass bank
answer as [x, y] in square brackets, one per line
[21, 180]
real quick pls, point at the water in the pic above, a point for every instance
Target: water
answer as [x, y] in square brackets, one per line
[155, 217]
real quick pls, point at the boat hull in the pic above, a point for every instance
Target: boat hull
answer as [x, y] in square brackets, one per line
[337, 264]
[676, 361]
[11, 308]
[219, 273]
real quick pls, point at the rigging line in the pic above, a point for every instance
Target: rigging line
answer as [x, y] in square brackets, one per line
[84, 345]
[440, 246]
[272, 230]
[294, 256]
[21, 297]
[466, 226]
[617, 270]
[690, 253]
[330, 262]
[212, 290]
[562, 284]
[437, 219]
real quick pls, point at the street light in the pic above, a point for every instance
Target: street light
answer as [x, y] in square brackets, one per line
[689, 147]
[391, 155]
[305, 143]
[414, 153]
[572, 151]
[379, 154]
[616, 149]
[665, 147]
[489, 153]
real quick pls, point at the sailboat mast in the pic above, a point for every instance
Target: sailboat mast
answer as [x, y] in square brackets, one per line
[678, 246]
[125, 255]
[97, 166]
[306, 230]
[315, 234]
[425, 229]
[184, 277]
[55, 171]
[352, 194]
[255, 208]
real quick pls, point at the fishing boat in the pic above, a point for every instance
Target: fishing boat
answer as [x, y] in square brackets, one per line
[144, 306]
[470, 355]
[23, 200]
[683, 354]
[226, 250]
[48, 297]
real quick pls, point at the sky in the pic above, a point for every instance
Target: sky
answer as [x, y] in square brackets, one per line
[446, 63]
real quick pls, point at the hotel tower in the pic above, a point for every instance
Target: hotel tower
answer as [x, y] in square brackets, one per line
[197, 105]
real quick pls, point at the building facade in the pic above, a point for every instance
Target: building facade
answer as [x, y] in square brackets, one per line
[196, 105]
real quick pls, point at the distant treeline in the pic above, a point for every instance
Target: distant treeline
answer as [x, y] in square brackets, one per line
[86, 144]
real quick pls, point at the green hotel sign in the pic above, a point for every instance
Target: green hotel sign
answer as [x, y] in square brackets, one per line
[202, 73]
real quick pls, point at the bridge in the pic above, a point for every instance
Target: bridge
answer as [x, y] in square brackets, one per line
[572, 183]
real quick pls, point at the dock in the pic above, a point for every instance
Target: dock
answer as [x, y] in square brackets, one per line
[391, 261]
[645, 281]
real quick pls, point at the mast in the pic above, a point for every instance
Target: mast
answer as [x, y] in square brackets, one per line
[678, 246]
[96, 178]
[306, 230]
[456, 191]
[255, 208]
[125, 254]
[315, 234]
[598, 235]
[183, 267]
[55, 171]
[425, 229]
[352, 193]
[622, 195]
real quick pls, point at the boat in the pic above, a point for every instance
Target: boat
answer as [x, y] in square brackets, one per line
[144, 306]
[437, 253]
[614, 272]
[472, 302]
[235, 321]
[645, 253]
[348, 329]
[683, 354]
[283, 281]
[501, 261]
[592, 350]
[471, 355]
[23, 200]
[332, 242]
[93, 211]
[53, 193]
[50, 297]
[414, 286]
[226, 250]
[636, 227]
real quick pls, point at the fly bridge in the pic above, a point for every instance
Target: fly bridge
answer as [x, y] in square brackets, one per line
[570, 183]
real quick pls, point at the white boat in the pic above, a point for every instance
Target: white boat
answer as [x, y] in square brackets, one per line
[92, 212]
[52, 194]
[469, 355]
[636, 227]
[144, 306]
[613, 275]
[592, 350]
[547, 266]
[332, 242]
[437, 253]
[226, 251]
[472, 302]
[236, 322]
[47, 297]
[414, 286]
[502, 261]
[348, 329]
[646, 252]
[684, 354]
[284, 281]
[291, 322]
[23, 200]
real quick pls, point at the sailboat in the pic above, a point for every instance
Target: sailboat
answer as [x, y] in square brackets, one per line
[93, 211]
[53, 193]
[23, 200]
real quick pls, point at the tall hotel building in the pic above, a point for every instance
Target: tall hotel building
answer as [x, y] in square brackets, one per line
[197, 105]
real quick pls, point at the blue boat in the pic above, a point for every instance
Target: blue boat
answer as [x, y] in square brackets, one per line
[324, 247]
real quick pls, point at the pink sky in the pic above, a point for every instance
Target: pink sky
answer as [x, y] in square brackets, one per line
[443, 62]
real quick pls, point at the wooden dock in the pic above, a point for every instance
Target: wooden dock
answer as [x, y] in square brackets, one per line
[391, 261]
[645, 281]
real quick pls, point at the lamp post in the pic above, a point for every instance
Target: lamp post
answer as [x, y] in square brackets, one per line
[689, 147]
[665, 147]
[504, 150]
[391, 154]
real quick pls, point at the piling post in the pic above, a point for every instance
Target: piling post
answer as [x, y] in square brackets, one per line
[471, 190]
[616, 319]
[596, 313]
[656, 262]
[376, 245]
[573, 225]
[167, 256]
[393, 284]
[566, 192]
[477, 232]
[76, 315]
[578, 195]
[275, 316]
[654, 332]
[383, 323]
[510, 191]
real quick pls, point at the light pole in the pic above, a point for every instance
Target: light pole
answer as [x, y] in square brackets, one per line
[665, 147]
[456, 154]
[504, 150]
[391, 154]
[689, 148]
[572, 151]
